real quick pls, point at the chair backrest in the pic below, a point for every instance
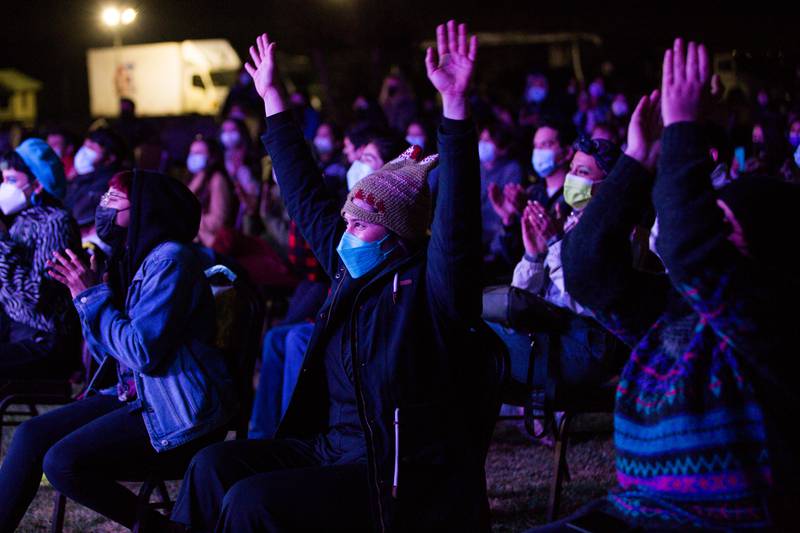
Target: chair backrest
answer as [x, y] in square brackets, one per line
[240, 318]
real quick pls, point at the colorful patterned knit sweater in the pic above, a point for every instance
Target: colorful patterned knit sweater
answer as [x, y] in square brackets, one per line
[689, 433]
[695, 421]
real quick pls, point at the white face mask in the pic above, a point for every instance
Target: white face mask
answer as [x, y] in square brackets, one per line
[230, 139]
[358, 171]
[196, 162]
[85, 160]
[12, 199]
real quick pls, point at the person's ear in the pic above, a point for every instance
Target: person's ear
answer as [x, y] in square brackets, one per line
[37, 187]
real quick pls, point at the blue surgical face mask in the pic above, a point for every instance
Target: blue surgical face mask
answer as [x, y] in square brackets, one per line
[361, 257]
[230, 139]
[416, 140]
[797, 156]
[544, 161]
[619, 108]
[324, 145]
[535, 94]
[196, 162]
[486, 151]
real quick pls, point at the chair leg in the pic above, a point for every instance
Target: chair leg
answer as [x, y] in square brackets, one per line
[59, 509]
[560, 471]
[163, 493]
[146, 490]
[5, 403]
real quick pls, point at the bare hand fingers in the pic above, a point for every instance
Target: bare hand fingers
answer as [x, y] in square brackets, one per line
[692, 73]
[452, 36]
[441, 40]
[704, 66]
[473, 48]
[73, 257]
[255, 56]
[260, 47]
[62, 270]
[61, 260]
[462, 39]
[430, 61]
[679, 61]
[667, 70]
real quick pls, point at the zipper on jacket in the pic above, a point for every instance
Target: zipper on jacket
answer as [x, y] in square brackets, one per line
[333, 302]
[362, 403]
[396, 477]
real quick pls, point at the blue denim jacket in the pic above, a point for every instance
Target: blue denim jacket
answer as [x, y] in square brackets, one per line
[165, 336]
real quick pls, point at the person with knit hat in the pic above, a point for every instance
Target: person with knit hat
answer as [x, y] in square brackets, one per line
[39, 334]
[394, 384]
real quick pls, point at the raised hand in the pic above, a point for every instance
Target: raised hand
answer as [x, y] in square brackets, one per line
[644, 131]
[450, 66]
[686, 83]
[265, 76]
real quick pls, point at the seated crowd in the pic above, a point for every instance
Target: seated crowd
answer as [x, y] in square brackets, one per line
[638, 227]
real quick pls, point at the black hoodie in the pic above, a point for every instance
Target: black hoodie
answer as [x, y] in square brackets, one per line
[162, 209]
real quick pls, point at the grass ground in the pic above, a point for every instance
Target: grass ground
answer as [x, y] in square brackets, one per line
[518, 477]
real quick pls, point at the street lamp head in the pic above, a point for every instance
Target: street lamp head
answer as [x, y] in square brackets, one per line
[128, 15]
[111, 16]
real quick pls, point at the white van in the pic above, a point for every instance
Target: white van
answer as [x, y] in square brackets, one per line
[172, 78]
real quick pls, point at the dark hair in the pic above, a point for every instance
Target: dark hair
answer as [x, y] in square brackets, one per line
[605, 153]
[566, 131]
[70, 139]
[335, 129]
[359, 134]
[110, 142]
[11, 160]
[607, 126]
[388, 145]
[501, 135]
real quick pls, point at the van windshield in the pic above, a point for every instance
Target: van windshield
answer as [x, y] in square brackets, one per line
[224, 78]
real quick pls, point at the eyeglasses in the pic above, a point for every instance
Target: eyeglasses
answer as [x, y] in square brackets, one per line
[108, 196]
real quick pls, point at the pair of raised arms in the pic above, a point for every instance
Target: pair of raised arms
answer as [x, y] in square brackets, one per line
[449, 69]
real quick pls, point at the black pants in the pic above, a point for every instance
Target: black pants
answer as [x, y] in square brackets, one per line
[270, 486]
[83, 448]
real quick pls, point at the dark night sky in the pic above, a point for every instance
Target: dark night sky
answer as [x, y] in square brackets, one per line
[47, 39]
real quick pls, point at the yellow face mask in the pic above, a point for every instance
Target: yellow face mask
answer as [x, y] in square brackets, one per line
[577, 191]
